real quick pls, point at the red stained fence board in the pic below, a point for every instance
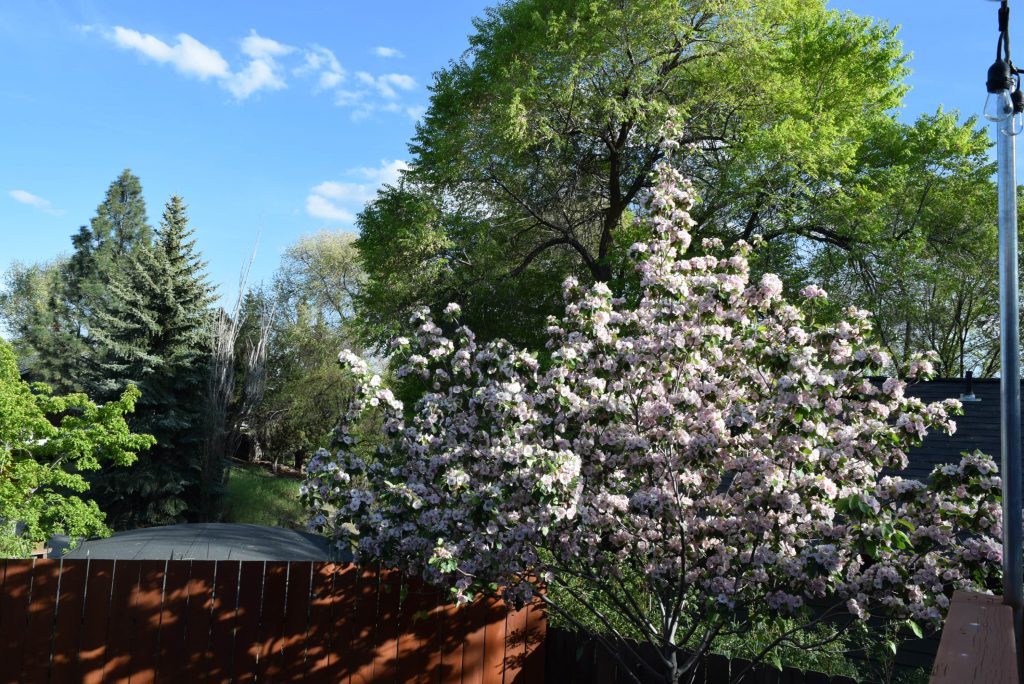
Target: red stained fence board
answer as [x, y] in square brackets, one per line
[176, 621]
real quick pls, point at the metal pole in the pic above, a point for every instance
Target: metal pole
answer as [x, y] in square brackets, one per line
[1013, 583]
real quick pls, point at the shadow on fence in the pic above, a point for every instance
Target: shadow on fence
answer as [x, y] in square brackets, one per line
[230, 621]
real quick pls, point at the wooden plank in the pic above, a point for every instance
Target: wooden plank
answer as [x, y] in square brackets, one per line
[385, 659]
[68, 625]
[476, 614]
[14, 607]
[275, 584]
[222, 625]
[605, 665]
[536, 628]
[39, 626]
[456, 627]
[439, 635]
[285, 661]
[414, 642]
[515, 643]
[348, 654]
[433, 626]
[717, 668]
[247, 634]
[494, 641]
[320, 638]
[977, 642]
[199, 617]
[146, 621]
[292, 643]
[121, 628]
[362, 645]
[92, 652]
[172, 660]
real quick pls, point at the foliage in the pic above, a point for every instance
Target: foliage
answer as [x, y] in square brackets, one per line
[47, 442]
[541, 138]
[927, 267]
[723, 447]
[57, 334]
[292, 397]
[152, 330]
[256, 497]
[27, 308]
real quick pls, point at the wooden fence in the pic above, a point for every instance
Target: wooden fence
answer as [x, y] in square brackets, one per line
[251, 621]
[574, 658]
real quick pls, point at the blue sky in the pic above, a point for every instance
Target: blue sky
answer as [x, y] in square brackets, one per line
[277, 119]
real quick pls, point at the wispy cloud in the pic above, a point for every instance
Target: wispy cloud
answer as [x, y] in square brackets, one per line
[386, 84]
[36, 201]
[340, 201]
[266, 65]
[263, 71]
[322, 62]
[378, 94]
[187, 55]
[192, 58]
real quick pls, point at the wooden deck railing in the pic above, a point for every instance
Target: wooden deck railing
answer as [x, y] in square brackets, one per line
[225, 621]
[977, 644]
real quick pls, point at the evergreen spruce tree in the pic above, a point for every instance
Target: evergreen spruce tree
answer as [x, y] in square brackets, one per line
[152, 330]
[57, 337]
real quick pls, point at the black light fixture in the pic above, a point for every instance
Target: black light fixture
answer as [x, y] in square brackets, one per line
[999, 104]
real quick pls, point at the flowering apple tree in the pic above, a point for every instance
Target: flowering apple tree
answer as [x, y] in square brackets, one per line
[707, 451]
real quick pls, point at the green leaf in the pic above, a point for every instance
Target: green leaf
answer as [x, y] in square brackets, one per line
[915, 628]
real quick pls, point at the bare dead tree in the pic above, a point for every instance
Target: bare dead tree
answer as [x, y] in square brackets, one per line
[220, 387]
[254, 387]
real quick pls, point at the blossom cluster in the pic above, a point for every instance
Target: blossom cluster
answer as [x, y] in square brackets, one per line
[710, 438]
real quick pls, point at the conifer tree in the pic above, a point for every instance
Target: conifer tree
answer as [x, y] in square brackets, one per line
[152, 330]
[57, 336]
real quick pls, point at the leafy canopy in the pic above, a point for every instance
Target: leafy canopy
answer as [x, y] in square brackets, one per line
[47, 442]
[529, 163]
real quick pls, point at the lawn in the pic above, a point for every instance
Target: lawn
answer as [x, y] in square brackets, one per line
[258, 497]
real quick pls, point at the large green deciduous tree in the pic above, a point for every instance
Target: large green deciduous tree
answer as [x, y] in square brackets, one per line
[153, 331]
[47, 442]
[924, 205]
[537, 142]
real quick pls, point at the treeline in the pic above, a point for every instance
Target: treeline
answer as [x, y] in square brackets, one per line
[539, 140]
[527, 168]
[132, 306]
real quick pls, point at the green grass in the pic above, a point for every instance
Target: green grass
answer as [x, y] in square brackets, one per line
[257, 497]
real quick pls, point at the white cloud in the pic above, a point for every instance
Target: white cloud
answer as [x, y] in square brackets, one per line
[264, 68]
[320, 60]
[258, 47]
[258, 75]
[263, 71]
[387, 52]
[340, 201]
[188, 55]
[193, 58]
[320, 207]
[386, 84]
[349, 98]
[36, 201]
